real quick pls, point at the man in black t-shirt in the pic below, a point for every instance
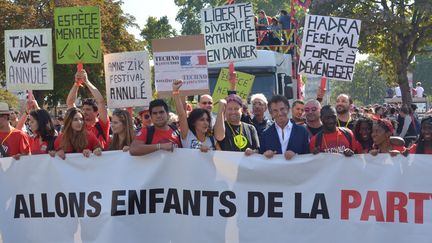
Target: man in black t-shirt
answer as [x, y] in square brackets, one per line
[233, 134]
[312, 110]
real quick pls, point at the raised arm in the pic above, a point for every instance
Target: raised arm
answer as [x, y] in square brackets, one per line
[219, 128]
[103, 115]
[73, 93]
[184, 128]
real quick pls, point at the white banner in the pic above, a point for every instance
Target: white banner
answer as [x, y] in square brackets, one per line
[189, 196]
[229, 33]
[190, 66]
[127, 79]
[329, 47]
[28, 58]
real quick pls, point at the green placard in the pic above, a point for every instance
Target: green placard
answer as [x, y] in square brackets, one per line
[78, 35]
[243, 86]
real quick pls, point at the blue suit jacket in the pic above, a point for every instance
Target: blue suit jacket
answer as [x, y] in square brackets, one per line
[298, 141]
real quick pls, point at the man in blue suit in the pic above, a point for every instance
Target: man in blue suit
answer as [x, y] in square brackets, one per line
[284, 136]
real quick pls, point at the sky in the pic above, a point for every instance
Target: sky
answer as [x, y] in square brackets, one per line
[141, 10]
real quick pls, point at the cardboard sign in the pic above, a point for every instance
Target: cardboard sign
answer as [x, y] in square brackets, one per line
[329, 47]
[127, 79]
[78, 35]
[243, 86]
[180, 58]
[229, 33]
[28, 58]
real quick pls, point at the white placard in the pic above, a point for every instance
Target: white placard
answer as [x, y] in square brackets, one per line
[329, 47]
[189, 66]
[28, 58]
[229, 33]
[127, 79]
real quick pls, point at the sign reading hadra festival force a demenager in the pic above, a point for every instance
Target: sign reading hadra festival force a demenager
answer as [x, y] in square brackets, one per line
[189, 196]
[229, 33]
[78, 35]
[28, 58]
[329, 47]
[127, 79]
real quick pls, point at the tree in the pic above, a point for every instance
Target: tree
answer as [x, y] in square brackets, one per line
[423, 72]
[9, 98]
[157, 29]
[29, 14]
[368, 85]
[393, 30]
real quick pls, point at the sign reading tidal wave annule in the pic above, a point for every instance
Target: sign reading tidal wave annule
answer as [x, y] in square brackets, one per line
[229, 33]
[329, 47]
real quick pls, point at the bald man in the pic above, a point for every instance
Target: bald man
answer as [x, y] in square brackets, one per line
[206, 102]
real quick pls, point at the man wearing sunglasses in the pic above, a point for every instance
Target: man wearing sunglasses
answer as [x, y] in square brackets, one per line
[312, 111]
[206, 102]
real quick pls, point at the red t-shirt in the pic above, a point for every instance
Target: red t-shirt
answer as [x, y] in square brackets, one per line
[160, 136]
[38, 147]
[105, 128]
[413, 150]
[92, 143]
[335, 142]
[15, 143]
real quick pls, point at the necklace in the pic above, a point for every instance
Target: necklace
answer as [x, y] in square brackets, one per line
[346, 125]
[325, 141]
[240, 141]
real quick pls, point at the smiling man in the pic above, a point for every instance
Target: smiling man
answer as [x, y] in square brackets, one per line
[284, 136]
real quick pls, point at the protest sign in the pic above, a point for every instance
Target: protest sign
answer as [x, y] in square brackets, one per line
[189, 196]
[329, 47]
[127, 79]
[78, 35]
[182, 58]
[28, 59]
[243, 86]
[229, 33]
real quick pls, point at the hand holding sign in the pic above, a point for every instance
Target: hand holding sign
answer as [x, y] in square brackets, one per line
[81, 77]
[177, 85]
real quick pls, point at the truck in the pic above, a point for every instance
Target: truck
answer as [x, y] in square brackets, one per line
[272, 71]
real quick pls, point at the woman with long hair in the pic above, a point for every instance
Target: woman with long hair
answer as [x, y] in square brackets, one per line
[382, 130]
[123, 132]
[44, 133]
[75, 138]
[424, 143]
[363, 133]
[195, 130]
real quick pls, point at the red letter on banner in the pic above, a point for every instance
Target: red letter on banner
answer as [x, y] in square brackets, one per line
[418, 205]
[346, 204]
[372, 197]
[392, 206]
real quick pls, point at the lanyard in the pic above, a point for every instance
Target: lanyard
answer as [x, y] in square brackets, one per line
[346, 125]
[4, 140]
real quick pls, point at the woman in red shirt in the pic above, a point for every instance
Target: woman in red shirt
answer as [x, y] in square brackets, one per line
[382, 130]
[122, 128]
[44, 133]
[75, 138]
[424, 143]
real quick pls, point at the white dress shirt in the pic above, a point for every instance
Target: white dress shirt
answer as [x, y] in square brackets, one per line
[284, 135]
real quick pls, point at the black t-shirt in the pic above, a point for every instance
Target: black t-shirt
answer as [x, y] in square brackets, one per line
[314, 131]
[344, 124]
[248, 131]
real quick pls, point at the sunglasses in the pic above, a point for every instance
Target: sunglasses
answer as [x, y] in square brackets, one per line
[207, 103]
[313, 109]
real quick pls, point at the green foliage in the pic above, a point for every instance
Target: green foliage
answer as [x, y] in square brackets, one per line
[366, 75]
[157, 29]
[395, 31]
[9, 98]
[39, 14]
[423, 72]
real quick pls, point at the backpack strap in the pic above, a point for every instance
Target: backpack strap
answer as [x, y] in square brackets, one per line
[176, 132]
[100, 131]
[347, 135]
[2, 151]
[150, 134]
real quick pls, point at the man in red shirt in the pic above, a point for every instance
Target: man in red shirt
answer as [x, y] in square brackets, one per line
[95, 113]
[159, 136]
[13, 142]
[333, 139]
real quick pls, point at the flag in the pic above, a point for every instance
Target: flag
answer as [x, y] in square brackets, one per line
[190, 61]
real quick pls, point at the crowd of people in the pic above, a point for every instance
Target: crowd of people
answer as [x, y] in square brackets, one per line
[312, 128]
[272, 30]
